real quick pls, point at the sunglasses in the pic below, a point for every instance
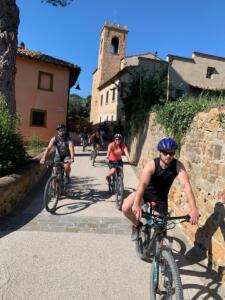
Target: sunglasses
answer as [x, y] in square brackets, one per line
[168, 153]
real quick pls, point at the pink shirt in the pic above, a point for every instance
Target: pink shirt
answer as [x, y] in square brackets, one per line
[115, 153]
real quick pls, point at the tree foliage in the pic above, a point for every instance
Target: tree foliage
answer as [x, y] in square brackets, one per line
[139, 96]
[78, 106]
[58, 2]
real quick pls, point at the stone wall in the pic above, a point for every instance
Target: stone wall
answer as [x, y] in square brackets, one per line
[14, 187]
[203, 154]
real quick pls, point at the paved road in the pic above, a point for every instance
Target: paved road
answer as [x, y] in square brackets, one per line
[84, 252]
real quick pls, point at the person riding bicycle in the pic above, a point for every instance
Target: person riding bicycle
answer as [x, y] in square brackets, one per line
[64, 149]
[154, 185]
[96, 140]
[84, 135]
[114, 155]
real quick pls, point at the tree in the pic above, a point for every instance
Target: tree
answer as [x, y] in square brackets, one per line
[9, 23]
[78, 106]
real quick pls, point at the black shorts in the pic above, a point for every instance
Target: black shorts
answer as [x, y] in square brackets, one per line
[61, 158]
[112, 163]
[95, 145]
[161, 205]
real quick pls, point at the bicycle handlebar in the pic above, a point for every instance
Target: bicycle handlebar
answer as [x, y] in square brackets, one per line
[185, 218]
[51, 163]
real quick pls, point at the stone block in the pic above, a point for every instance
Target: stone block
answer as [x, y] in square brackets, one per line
[204, 172]
[212, 179]
[217, 152]
[214, 169]
[218, 251]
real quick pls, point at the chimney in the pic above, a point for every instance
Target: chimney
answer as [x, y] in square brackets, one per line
[22, 45]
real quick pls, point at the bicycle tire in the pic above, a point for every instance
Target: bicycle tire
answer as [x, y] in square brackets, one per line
[94, 157]
[48, 196]
[170, 274]
[119, 192]
[113, 185]
[145, 235]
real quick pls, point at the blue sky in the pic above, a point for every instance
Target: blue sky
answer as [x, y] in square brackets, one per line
[167, 26]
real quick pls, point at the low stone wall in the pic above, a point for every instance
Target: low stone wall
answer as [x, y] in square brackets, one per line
[14, 187]
[203, 154]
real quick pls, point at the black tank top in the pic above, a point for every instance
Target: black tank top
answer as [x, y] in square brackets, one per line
[161, 181]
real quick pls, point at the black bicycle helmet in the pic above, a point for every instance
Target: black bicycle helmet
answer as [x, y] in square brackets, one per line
[60, 126]
[167, 144]
[118, 136]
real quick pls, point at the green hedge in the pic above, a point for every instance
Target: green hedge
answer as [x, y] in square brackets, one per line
[12, 151]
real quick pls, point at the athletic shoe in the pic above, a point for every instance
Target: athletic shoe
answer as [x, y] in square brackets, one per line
[134, 231]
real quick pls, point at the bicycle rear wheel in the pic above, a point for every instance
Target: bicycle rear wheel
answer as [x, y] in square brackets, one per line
[119, 192]
[51, 193]
[145, 236]
[165, 281]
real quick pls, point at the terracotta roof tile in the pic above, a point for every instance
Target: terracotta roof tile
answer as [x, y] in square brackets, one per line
[36, 55]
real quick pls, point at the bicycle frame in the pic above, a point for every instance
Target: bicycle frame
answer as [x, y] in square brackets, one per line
[119, 172]
[58, 170]
[164, 266]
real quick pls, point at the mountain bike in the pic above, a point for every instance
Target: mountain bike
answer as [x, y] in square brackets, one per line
[116, 184]
[84, 143]
[153, 243]
[55, 186]
[94, 153]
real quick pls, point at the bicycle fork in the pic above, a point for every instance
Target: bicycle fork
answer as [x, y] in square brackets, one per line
[159, 265]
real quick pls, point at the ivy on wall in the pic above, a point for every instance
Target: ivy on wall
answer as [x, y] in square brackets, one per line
[176, 117]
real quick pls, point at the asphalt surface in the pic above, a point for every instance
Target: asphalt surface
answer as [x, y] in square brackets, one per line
[84, 251]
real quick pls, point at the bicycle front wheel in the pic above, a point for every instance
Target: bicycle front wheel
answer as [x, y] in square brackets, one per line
[51, 194]
[94, 157]
[119, 192]
[165, 281]
[145, 237]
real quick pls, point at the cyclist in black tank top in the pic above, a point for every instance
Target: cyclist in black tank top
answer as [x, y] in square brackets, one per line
[158, 188]
[155, 182]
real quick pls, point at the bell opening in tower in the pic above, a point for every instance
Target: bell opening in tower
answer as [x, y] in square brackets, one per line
[115, 45]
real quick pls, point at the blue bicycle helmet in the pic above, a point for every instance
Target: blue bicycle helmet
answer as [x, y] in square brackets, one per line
[167, 145]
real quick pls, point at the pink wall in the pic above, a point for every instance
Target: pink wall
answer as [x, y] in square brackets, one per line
[28, 97]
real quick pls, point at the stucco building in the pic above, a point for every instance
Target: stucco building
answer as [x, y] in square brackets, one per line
[42, 92]
[185, 76]
[191, 76]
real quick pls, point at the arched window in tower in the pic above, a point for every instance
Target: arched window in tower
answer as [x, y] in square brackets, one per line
[115, 45]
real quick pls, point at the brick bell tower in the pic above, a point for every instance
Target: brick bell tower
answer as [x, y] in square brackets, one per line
[113, 39]
[112, 49]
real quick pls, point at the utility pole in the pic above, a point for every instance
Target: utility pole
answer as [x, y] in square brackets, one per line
[168, 80]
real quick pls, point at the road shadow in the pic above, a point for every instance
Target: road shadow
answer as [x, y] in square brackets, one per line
[200, 256]
[190, 264]
[81, 199]
[83, 192]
